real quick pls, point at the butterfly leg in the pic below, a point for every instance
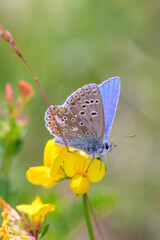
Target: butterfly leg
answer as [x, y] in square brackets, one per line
[73, 151]
[103, 159]
[90, 163]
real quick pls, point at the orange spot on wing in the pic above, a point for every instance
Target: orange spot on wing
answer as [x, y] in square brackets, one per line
[63, 110]
[52, 124]
[56, 110]
[72, 113]
[55, 132]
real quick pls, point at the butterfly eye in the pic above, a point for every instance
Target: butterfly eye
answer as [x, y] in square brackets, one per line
[106, 146]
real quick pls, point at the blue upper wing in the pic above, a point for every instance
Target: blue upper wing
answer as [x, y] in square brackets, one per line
[109, 90]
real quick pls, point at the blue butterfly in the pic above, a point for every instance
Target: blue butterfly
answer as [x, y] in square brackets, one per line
[86, 118]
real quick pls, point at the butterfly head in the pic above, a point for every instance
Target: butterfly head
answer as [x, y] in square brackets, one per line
[99, 151]
[108, 147]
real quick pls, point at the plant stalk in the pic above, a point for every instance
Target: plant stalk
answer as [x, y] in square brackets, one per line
[87, 216]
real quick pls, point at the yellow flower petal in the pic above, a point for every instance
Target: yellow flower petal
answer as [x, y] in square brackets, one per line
[54, 156]
[36, 210]
[56, 165]
[79, 184]
[96, 171]
[76, 163]
[50, 152]
[40, 176]
[36, 207]
[4, 229]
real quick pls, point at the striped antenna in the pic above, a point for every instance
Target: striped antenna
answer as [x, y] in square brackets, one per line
[130, 136]
[8, 38]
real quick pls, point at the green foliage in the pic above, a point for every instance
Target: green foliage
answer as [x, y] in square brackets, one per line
[76, 43]
[5, 186]
[44, 229]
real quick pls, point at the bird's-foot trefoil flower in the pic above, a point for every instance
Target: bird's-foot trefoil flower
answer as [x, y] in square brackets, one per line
[25, 225]
[60, 164]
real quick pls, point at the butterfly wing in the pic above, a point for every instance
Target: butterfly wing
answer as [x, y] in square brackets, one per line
[72, 127]
[86, 117]
[110, 90]
[87, 103]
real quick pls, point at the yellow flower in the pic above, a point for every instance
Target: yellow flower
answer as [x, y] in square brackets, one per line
[16, 226]
[79, 167]
[59, 163]
[49, 174]
[36, 210]
[4, 229]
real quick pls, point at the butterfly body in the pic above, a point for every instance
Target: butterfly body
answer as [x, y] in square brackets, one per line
[86, 117]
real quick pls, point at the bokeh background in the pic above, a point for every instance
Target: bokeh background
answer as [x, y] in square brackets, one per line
[72, 43]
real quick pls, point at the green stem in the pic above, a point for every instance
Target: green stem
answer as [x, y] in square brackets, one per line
[87, 216]
[6, 165]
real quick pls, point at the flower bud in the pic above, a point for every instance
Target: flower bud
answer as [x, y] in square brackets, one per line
[26, 89]
[9, 93]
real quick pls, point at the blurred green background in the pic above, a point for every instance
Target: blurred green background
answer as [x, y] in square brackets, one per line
[72, 43]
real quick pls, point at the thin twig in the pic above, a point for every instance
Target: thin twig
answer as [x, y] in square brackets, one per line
[8, 38]
[95, 219]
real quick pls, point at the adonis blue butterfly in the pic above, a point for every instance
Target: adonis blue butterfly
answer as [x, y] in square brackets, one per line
[86, 117]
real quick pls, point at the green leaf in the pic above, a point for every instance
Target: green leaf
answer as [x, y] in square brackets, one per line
[45, 230]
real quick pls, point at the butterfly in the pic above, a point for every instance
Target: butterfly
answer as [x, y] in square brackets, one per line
[86, 118]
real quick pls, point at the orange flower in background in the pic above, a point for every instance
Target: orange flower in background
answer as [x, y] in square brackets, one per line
[9, 93]
[26, 89]
[12, 124]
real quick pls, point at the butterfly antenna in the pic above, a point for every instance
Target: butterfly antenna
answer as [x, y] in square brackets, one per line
[130, 136]
[8, 38]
